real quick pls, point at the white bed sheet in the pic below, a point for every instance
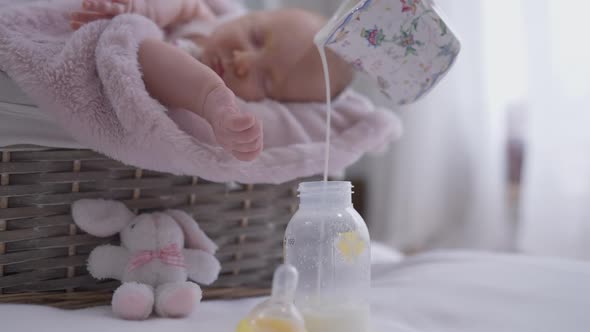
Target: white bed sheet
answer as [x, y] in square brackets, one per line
[23, 123]
[11, 93]
[28, 125]
[446, 291]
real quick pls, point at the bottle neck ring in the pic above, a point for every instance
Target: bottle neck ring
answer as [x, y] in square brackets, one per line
[326, 194]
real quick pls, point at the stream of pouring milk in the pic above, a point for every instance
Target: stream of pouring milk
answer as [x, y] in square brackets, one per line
[320, 45]
[319, 41]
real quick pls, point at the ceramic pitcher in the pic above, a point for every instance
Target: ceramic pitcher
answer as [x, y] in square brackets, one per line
[405, 46]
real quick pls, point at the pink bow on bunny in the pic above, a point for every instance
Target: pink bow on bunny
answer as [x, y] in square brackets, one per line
[169, 255]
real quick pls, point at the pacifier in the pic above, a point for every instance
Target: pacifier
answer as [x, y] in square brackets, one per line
[277, 314]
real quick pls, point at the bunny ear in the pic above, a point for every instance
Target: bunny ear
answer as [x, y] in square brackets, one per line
[194, 236]
[100, 217]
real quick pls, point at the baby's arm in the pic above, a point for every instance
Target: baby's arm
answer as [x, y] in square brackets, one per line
[165, 13]
[178, 80]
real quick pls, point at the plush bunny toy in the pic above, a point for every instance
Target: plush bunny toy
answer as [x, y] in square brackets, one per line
[152, 261]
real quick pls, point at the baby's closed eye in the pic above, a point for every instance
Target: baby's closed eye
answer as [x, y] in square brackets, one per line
[257, 39]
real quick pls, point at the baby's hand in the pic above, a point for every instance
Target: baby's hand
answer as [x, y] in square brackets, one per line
[163, 12]
[238, 133]
[94, 10]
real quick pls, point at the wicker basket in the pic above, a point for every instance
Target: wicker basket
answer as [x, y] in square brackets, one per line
[43, 254]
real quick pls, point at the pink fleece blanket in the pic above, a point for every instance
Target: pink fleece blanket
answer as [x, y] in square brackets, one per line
[91, 83]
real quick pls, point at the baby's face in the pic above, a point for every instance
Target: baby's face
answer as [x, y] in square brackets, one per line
[269, 54]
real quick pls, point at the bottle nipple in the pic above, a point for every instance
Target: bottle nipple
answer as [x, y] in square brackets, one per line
[277, 314]
[284, 284]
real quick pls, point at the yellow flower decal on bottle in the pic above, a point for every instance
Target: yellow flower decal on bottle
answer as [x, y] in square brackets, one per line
[350, 245]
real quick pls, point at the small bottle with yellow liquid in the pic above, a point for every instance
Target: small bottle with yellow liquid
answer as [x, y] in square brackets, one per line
[277, 314]
[328, 243]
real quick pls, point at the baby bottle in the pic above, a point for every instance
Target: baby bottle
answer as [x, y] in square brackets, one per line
[277, 314]
[328, 243]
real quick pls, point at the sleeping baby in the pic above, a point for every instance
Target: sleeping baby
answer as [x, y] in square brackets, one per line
[264, 54]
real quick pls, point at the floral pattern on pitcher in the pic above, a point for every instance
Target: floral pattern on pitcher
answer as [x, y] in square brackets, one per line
[358, 65]
[410, 6]
[407, 41]
[374, 36]
[404, 45]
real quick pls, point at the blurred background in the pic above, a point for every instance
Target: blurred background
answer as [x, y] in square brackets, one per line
[498, 156]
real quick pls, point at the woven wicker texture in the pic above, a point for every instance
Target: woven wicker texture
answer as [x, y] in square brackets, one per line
[43, 254]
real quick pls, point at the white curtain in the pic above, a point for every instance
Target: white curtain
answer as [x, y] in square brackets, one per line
[556, 200]
[446, 177]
